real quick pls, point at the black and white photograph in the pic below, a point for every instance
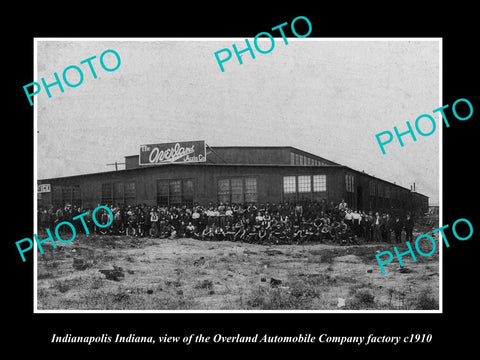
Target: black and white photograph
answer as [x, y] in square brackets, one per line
[258, 185]
[222, 180]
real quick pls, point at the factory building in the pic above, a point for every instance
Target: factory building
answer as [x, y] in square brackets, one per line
[189, 173]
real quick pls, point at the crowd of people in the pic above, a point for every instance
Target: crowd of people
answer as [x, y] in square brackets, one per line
[282, 223]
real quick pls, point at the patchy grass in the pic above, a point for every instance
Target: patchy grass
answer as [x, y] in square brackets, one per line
[162, 274]
[280, 298]
[362, 299]
[424, 300]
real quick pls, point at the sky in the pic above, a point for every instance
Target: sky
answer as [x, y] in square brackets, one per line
[329, 97]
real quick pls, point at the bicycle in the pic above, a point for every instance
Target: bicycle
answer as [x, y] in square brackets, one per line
[153, 231]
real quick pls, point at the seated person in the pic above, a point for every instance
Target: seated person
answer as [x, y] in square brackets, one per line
[262, 234]
[277, 234]
[207, 233]
[189, 230]
[218, 233]
[288, 233]
[309, 234]
[229, 232]
[297, 234]
[173, 232]
[240, 234]
[252, 234]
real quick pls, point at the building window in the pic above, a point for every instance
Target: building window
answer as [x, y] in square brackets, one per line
[299, 188]
[106, 194]
[187, 192]
[251, 190]
[381, 190]
[289, 185]
[349, 183]
[319, 183]
[237, 190]
[297, 159]
[67, 194]
[56, 195]
[223, 190]
[374, 189]
[292, 158]
[76, 195]
[304, 184]
[118, 193]
[130, 193]
[175, 192]
[162, 192]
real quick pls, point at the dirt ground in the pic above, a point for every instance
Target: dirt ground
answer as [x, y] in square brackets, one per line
[187, 274]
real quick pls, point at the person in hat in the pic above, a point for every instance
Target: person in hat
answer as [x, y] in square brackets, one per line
[377, 227]
[409, 224]
[397, 229]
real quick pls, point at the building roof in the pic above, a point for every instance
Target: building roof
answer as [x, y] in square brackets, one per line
[226, 152]
[192, 164]
[265, 155]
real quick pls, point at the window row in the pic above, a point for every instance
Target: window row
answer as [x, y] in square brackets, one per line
[66, 194]
[350, 183]
[298, 159]
[304, 184]
[175, 192]
[237, 190]
[169, 192]
[381, 190]
[119, 193]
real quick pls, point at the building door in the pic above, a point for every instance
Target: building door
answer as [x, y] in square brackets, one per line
[360, 198]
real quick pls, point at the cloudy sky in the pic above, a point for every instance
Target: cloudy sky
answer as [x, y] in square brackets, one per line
[329, 98]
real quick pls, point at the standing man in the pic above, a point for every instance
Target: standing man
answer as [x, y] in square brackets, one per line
[348, 218]
[377, 228]
[387, 227]
[343, 205]
[409, 228]
[357, 222]
[221, 214]
[397, 229]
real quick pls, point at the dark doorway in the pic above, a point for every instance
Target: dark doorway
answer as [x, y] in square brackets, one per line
[360, 198]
